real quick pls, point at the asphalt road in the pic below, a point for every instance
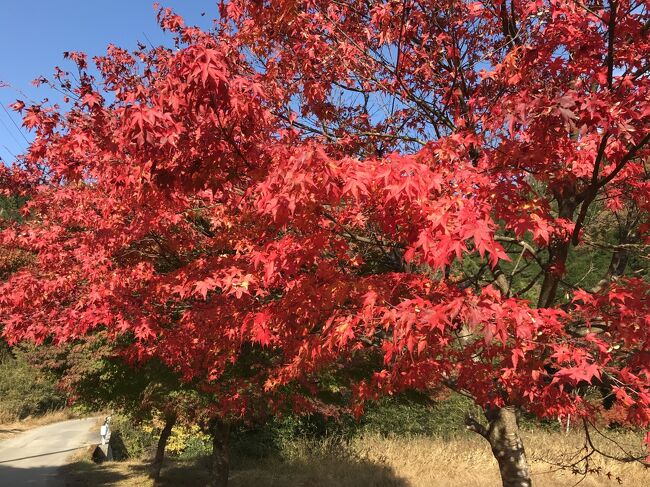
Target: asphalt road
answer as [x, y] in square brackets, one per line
[34, 457]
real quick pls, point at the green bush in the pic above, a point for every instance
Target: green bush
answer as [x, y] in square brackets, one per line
[130, 439]
[412, 415]
[196, 446]
[403, 415]
[26, 391]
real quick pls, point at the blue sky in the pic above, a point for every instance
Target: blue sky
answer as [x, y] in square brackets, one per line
[35, 33]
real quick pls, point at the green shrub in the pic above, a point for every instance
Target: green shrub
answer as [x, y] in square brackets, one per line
[130, 439]
[402, 415]
[412, 415]
[26, 391]
[406, 414]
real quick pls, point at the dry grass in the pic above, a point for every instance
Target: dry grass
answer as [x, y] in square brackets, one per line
[373, 461]
[12, 428]
[468, 462]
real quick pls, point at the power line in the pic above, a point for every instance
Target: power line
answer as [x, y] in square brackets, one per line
[10, 153]
[10, 133]
[15, 125]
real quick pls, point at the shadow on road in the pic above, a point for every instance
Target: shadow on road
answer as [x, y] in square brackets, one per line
[27, 476]
[11, 430]
[11, 460]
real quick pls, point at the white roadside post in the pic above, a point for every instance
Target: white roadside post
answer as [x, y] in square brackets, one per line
[103, 432]
[105, 435]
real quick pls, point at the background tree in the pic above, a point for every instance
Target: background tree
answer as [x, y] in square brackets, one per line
[93, 372]
[165, 265]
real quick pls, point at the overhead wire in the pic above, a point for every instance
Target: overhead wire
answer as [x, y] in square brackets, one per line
[15, 124]
[19, 144]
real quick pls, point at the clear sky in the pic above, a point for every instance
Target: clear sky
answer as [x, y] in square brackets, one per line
[35, 33]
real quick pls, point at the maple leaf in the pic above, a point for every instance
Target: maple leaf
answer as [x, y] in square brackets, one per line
[260, 330]
[203, 287]
[92, 99]
[18, 106]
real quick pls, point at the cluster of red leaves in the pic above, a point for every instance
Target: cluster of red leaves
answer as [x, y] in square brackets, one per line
[182, 209]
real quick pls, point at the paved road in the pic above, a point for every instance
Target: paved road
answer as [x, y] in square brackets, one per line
[34, 457]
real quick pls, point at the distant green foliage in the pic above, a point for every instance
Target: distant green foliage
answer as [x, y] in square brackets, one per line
[25, 391]
[410, 415]
[10, 208]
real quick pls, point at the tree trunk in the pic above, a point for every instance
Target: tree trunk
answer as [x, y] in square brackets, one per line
[220, 462]
[503, 435]
[158, 460]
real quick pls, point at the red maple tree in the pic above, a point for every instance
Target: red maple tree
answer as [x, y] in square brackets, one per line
[314, 183]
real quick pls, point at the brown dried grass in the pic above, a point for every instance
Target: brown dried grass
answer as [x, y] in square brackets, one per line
[375, 461]
[468, 461]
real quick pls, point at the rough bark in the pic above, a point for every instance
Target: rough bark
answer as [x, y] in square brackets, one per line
[507, 446]
[219, 461]
[158, 460]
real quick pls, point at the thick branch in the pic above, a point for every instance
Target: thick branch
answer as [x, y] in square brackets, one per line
[473, 425]
[610, 43]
